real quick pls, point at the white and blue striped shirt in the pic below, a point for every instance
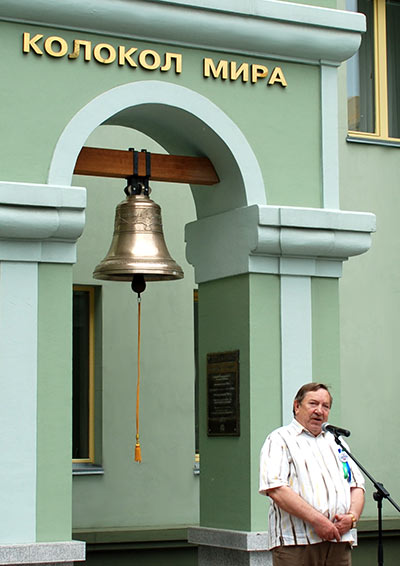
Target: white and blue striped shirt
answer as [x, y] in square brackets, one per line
[313, 467]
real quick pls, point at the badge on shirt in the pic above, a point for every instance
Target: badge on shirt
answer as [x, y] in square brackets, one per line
[343, 457]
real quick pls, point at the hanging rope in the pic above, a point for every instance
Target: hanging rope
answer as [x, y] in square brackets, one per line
[138, 453]
[138, 285]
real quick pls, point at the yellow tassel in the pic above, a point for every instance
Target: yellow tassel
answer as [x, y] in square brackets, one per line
[138, 453]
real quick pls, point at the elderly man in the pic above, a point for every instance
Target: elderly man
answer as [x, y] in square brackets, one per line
[317, 492]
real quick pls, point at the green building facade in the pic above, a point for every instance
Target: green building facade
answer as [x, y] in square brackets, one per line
[258, 88]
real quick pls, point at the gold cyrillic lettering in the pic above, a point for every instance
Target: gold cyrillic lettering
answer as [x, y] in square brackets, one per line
[258, 72]
[210, 69]
[87, 45]
[168, 62]
[156, 59]
[48, 46]
[28, 43]
[124, 55]
[242, 70]
[277, 76]
[112, 54]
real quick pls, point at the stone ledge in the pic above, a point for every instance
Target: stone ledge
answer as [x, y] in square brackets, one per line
[45, 553]
[226, 538]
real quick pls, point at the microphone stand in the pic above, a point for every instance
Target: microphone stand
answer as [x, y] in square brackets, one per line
[380, 494]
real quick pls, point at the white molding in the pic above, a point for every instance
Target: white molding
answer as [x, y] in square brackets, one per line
[18, 400]
[31, 194]
[329, 137]
[207, 117]
[265, 28]
[296, 339]
[277, 240]
[40, 223]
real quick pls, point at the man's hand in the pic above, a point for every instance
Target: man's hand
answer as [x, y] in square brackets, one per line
[343, 523]
[327, 530]
[291, 502]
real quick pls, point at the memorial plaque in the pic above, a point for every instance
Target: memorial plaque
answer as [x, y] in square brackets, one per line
[223, 408]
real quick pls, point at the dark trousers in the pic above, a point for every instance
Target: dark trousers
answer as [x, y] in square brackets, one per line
[320, 554]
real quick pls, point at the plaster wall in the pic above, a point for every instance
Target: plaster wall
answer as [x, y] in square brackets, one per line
[369, 305]
[41, 98]
[285, 131]
[269, 117]
[54, 487]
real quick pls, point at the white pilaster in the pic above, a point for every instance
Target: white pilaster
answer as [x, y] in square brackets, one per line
[329, 136]
[296, 339]
[18, 380]
[38, 223]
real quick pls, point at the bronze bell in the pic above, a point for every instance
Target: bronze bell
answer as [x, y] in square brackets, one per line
[138, 246]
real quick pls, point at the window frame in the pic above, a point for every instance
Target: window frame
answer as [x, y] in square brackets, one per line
[90, 289]
[381, 109]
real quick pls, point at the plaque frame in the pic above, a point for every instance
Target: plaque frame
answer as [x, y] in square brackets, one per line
[223, 393]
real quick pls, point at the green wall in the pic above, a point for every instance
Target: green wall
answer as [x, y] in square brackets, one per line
[265, 385]
[369, 306]
[281, 124]
[54, 480]
[283, 128]
[224, 326]
[239, 313]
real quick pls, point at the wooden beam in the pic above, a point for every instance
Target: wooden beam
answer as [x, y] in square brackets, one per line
[171, 168]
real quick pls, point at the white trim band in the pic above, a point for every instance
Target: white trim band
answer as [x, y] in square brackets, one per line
[18, 401]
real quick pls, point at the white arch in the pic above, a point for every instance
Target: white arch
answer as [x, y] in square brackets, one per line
[110, 103]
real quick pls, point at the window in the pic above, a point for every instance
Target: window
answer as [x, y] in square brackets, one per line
[83, 375]
[373, 74]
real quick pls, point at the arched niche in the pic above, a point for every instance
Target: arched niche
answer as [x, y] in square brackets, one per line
[185, 123]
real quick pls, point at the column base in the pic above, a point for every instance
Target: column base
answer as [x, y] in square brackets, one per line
[223, 547]
[43, 553]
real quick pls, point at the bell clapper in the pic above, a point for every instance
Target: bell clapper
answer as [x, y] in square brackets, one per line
[138, 284]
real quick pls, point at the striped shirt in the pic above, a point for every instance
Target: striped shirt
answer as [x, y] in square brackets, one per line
[315, 468]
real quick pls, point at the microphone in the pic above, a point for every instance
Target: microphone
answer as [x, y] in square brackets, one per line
[337, 431]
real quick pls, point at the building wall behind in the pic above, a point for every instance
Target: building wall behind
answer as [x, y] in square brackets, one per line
[369, 299]
[162, 490]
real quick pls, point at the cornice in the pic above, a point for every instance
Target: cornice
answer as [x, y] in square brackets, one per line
[276, 240]
[265, 28]
[40, 223]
